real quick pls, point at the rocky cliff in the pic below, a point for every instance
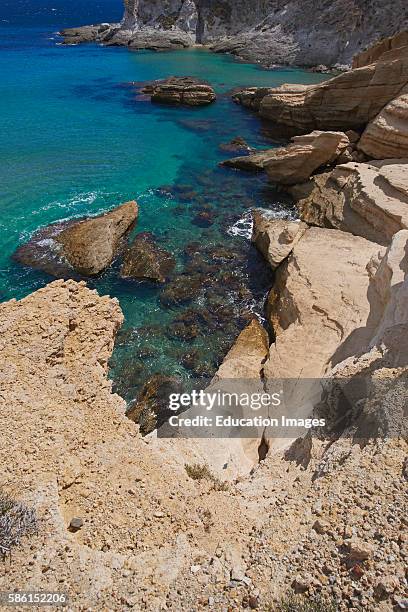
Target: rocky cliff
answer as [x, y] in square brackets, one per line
[269, 31]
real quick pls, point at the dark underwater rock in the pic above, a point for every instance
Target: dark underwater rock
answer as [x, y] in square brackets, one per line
[145, 260]
[151, 408]
[236, 145]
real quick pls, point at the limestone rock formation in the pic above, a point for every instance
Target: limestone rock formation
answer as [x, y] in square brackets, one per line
[254, 162]
[275, 238]
[188, 91]
[369, 200]
[348, 101]
[91, 245]
[245, 358]
[386, 136]
[145, 260]
[374, 52]
[79, 248]
[262, 31]
[318, 302]
[296, 162]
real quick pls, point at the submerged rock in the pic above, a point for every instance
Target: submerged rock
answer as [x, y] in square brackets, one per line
[236, 145]
[187, 91]
[145, 260]
[151, 409]
[79, 248]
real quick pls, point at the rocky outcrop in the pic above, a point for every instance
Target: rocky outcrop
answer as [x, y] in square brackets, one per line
[263, 31]
[369, 200]
[348, 101]
[296, 162]
[245, 358]
[318, 302]
[254, 162]
[187, 91]
[91, 245]
[145, 260]
[374, 52]
[275, 238]
[386, 136]
[79, 248]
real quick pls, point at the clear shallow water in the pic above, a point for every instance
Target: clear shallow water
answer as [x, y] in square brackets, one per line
[77, 140]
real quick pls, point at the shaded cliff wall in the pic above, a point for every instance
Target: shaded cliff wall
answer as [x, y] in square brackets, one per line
[325, 32]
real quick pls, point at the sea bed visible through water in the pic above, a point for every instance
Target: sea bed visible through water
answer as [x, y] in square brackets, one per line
[80, 141]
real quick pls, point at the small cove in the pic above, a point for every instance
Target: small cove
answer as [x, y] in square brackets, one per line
[80, 141]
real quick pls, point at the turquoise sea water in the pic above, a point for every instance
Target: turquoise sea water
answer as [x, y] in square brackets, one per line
[77, 140]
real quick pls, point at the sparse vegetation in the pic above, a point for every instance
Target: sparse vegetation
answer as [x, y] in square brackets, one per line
[16, 521]
[197, 471]
[300, 603]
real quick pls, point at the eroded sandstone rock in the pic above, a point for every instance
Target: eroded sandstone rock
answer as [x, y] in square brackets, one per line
[297, 161]
[78, 248]
[348, 101]
[369, 200]
[319, 300]
[386, 136]
[187, 91]
[275, 238]
[91, 245]
[373, 53]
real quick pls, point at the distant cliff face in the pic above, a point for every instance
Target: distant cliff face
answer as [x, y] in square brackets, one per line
[322, 32]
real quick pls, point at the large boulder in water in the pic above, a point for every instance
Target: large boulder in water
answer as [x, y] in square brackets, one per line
[187, 91]
[145, 260]
[79, 248]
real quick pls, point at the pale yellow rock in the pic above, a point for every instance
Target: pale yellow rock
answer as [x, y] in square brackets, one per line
[245, 358]
[387, 135]
[319, 300]
[296, 162]
[347, 101]
[91, 245]
[275, 238]
[368, 200]
[373, 53]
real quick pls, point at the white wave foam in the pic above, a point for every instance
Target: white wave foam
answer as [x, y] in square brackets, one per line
[243, 227]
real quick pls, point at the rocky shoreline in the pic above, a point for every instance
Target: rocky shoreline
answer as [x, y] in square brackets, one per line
[299, 32]
[321, 517]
